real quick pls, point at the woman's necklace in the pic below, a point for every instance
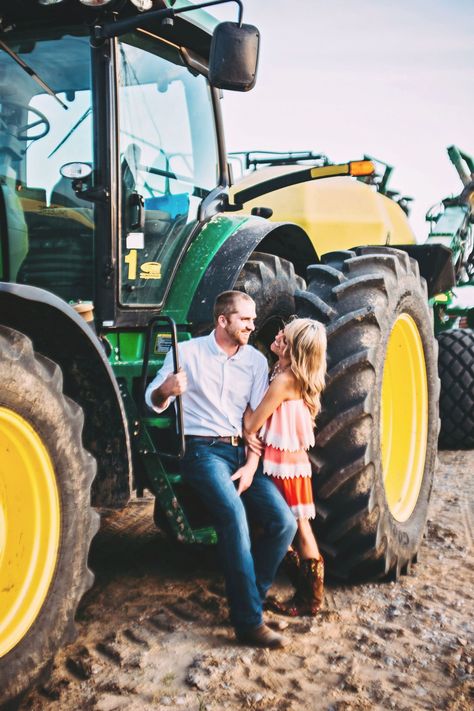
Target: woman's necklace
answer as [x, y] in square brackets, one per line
[277, 369]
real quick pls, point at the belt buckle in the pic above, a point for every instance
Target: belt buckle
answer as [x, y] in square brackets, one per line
[234, 440]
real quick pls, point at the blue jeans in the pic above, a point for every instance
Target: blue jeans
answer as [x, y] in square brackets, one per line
[249, 571]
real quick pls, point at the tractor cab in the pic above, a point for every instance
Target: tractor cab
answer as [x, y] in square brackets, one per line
[129, 100]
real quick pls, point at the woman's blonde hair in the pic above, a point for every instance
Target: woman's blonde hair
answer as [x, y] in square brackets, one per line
[307, 343]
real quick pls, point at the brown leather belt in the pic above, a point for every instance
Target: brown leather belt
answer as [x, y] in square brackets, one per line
[234, 440]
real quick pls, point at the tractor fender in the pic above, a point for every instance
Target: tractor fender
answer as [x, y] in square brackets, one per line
[60, 334]
[435, 263]
[282, 239]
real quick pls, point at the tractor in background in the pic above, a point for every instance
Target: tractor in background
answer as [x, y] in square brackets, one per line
[451, 224]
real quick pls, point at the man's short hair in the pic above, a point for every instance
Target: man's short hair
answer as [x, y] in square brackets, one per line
[226, 302]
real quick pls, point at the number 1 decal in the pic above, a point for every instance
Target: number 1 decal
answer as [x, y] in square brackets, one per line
[131, 259]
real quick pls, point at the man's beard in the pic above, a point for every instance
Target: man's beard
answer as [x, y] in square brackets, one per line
[238, 336]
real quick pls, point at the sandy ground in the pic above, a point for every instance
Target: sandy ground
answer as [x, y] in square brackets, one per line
[153, 632]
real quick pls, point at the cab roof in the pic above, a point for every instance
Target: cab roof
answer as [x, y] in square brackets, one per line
[192, 30]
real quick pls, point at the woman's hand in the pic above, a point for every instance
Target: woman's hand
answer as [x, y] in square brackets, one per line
[253, 442]
[245, 474]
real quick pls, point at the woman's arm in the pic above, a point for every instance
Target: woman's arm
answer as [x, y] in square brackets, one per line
[281, 388]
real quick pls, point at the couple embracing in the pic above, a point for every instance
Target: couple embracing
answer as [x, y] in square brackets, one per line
[227, 400]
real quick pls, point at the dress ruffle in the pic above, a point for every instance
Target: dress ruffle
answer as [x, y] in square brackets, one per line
[303, 511]
[290, 427]
[283, 464]
[286, 471]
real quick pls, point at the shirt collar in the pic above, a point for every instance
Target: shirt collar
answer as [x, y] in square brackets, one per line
[217, 350]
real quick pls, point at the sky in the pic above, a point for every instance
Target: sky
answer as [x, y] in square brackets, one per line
[347, 77]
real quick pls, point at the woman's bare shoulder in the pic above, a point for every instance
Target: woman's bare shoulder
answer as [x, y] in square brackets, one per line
[287, 381]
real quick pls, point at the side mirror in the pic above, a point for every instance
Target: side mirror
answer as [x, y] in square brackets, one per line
[233, 57]
[76, 171]
[80, 175]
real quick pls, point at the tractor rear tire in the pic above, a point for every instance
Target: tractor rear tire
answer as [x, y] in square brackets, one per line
[46, 521]
[376, 437]
[271, 282]
[456, 370]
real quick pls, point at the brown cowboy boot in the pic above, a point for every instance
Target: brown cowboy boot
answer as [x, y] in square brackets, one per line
[315, 578]
[308, 597]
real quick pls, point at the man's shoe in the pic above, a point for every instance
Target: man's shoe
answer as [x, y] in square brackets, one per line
[262, 636]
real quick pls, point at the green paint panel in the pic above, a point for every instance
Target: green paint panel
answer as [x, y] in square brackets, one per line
[454, 305]
[450, 222]
[200, 254]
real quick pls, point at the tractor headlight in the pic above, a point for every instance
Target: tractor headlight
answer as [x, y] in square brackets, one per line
[49, 2]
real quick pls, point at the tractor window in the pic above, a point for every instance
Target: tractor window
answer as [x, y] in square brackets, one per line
[47, 233]
[168, 154]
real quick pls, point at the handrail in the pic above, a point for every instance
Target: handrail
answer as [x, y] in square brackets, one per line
[146, 359]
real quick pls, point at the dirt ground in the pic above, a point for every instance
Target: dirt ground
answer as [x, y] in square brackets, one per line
[153, 631]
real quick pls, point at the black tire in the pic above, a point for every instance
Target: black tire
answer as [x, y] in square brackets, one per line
[271, 282]
[456, 406]
[31, 397]
[360, 295]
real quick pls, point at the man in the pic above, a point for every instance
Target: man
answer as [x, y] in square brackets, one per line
[221, 375]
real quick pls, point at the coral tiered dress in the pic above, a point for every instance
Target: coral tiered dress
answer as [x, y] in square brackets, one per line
[287, 434]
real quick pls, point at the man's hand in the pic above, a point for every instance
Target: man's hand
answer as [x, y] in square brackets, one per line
[245, 474]
[173, 385]
[253, 443]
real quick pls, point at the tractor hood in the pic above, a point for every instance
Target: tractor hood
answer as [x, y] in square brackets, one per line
[335, 209]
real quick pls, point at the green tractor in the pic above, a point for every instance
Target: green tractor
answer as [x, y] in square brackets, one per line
[451, 224]
[116, 233]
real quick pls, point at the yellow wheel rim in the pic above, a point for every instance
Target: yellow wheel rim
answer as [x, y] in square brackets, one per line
[404, 418]
[29, 527]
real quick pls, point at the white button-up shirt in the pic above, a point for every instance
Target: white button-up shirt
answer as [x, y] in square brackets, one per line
[219, 386]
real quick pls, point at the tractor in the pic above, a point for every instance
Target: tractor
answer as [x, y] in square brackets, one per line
[451, 224]
[117, 231]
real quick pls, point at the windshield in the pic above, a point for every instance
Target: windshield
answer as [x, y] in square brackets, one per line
[169, 161]
[49, 236]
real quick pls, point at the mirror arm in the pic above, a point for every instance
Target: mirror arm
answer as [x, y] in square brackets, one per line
[93, 194]
[114, 29]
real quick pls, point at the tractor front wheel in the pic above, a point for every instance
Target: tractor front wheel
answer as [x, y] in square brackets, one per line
[46, 522]
[376, 437]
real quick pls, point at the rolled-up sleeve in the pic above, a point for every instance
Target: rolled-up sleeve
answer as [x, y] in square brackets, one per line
[260, 384]
[159, 378]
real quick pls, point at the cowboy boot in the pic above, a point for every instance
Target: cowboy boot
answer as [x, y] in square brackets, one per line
[308, 597]
[315, 581]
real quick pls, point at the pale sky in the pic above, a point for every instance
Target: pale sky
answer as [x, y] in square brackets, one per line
[348, 77]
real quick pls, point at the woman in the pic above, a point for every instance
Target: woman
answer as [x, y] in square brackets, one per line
[285, 422]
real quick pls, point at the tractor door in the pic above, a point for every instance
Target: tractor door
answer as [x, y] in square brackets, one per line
[168, 162]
